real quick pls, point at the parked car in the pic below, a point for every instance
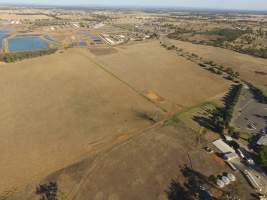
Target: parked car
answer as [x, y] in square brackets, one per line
[250, 161]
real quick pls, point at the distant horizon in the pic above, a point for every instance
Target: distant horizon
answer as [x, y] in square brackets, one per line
[95, 6]
[220, 5]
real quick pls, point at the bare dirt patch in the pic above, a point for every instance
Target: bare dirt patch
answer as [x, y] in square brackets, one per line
[102, 51]
[153, 96]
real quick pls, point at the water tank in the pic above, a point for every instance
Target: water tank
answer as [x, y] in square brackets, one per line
[220, 183]
[226, 180]
[231, 177]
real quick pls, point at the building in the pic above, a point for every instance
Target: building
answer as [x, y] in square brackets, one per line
[228, 152]
[223, 147]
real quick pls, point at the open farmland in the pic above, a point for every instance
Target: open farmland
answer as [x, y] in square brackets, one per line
[59, 109]
[27, 14]
[157, 72]
[143, 167]
[55, 110]
[251, 69]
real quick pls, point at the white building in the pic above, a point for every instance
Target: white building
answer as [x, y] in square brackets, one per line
[228, 152]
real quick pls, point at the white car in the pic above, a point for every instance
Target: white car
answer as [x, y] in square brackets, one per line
[250, 161]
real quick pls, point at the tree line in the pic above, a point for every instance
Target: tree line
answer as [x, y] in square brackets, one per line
[223, 117]
[13, 57]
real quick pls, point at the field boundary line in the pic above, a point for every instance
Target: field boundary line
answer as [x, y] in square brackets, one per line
[124, 82]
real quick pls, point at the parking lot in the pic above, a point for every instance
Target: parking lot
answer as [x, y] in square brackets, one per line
[250, 116]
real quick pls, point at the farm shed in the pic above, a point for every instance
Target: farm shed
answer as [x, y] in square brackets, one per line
[223, 147]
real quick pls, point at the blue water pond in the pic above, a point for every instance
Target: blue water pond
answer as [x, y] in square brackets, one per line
[27, 43]
[3, 34]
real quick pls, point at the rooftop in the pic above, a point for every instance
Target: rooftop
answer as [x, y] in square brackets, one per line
[223, 147]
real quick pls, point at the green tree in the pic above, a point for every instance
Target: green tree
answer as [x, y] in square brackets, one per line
[231, 195]
[262, 156]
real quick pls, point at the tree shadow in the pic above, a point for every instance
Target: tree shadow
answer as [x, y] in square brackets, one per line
[152, 116]
[264, 117]
[178, 192]
[205, 122]
[209, 121]
[258, 95]
[195, 180]
[47, 191]
[220, 117]
[195, 186]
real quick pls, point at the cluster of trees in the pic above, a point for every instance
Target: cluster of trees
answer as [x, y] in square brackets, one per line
[215, 71]
[177, 33]
[231, 195]
[258, 52]
[209, 65]
[227, 34]
[49, 22]
[225, 38]
[219, 69]
[171, 47]
[13, 57]
[232, 74]
[262, 156]
[48, 191]
[223, 117]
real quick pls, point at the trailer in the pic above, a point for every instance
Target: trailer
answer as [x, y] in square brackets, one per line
[231, 165]
[252, 180]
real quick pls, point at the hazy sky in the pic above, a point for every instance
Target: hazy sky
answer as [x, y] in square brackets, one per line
[219, 4]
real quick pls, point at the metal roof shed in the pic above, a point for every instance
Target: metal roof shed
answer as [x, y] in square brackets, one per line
[223, 147]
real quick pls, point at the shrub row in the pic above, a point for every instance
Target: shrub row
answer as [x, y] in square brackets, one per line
[223, 117]
[13, 57]
[231, 102]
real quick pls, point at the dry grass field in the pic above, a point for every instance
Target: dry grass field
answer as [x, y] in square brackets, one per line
[21, 16]
[143, 167]
[140, 168]
[55, 109]
[251, 69]
[58, 110]
[149, 67]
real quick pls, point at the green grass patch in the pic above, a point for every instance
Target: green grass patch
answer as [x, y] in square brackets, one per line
[172, 120]
[227, 34]
[203, 109]
[245, 136]
[186, 115]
